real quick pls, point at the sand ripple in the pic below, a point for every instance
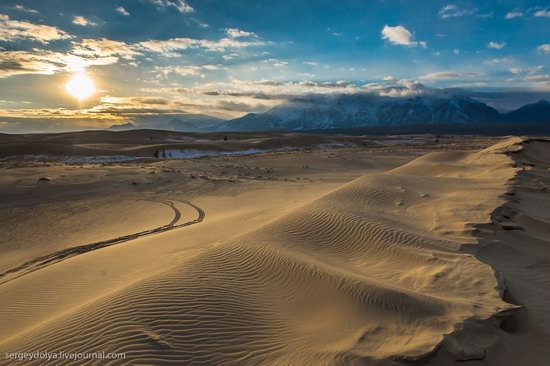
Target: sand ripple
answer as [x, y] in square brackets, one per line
[368, 273]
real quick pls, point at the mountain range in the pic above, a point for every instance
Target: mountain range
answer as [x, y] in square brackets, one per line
[319, 112]
[361, 110]
[176, 122]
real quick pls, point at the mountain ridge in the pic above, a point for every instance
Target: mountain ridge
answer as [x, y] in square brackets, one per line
[365, 110]
[344, 111]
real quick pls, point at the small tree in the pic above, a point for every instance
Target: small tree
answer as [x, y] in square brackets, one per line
[156, 154]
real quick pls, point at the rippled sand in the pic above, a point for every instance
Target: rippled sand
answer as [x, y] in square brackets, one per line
[325, 257]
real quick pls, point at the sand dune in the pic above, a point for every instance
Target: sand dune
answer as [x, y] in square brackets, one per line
[32, 237]
[38, 263]
[374, 272]
[119, 145]
[516, 243]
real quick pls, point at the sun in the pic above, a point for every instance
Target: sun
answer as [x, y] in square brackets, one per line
[80, 86]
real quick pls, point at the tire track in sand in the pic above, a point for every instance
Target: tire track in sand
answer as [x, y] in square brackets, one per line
[56, 257]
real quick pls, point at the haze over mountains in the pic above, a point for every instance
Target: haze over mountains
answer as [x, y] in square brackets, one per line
[181, 122]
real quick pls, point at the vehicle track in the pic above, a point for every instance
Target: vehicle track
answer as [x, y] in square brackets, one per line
[56, 257]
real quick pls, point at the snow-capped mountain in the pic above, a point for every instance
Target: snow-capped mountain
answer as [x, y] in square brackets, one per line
[355, 110]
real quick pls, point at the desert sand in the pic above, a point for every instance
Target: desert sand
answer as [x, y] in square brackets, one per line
[303, 250]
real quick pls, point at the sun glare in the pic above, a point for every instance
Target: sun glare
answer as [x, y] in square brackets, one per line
[80, 86]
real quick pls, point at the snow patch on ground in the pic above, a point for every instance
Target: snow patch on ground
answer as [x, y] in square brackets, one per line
[98, 159]
[335, 144]
[400, 142]
[167, 154]
[101, 159]
[193, 154]
[28, 157]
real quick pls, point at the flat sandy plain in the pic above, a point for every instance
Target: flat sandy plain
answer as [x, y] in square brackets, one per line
[275, 249]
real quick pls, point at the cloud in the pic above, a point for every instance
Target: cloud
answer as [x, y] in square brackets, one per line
[180, 5]
[122, 11]
[211, 67]
[26, 10]
[399, 35]
[539, 81]
[310, 63]
[110, 106]
[189, 70]
[225, 99]
[236, 33]
[200, 24]
[538, 77]
[405, 88]
[83, 54]
[228, 105]
[12, 30]
[135, 100]
[447, 75]
[276, 62]
[102, 51]
[516, 70]
[82, 21]
[501, 60]
[53, 120]
[228, 43]
[179, 70]
[270, 89]
[103, 47]
[230, 56]
[542, 13]
[486, 15]
[212, 103]
[544, 48]
[513, 14]
[37, 62]
[453, 11]
[170, 47]
[535, 70]
[496, 45]
[456, 51]
[441, 75]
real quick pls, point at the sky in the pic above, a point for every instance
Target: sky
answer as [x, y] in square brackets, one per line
[227, 58]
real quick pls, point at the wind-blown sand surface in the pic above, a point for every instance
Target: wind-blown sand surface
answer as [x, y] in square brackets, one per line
[351, 256]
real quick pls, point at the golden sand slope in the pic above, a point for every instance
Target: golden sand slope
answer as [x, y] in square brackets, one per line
[517, 244]
[368, 273]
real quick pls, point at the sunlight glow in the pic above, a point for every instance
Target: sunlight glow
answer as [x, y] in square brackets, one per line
[80, 86]
[75, 64]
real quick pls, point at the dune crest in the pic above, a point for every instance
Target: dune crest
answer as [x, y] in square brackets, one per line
[516, 243]
[371, 272]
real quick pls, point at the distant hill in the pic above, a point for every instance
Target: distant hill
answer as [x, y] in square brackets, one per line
[194, 123]
[538, 112]
[122, 127]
